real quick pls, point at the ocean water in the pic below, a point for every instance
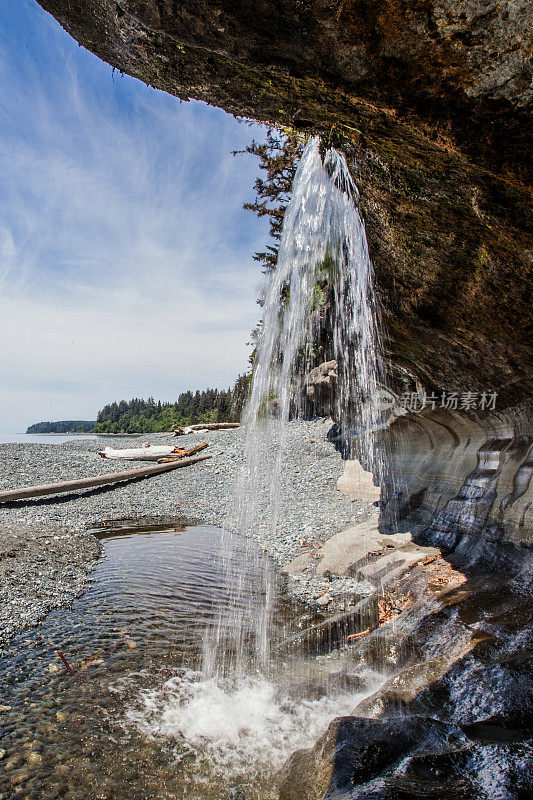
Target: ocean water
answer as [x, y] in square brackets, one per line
[43, 438]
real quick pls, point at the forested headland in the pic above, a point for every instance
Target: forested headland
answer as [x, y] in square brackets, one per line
[63, 426]
[190, 408]
[153, 416]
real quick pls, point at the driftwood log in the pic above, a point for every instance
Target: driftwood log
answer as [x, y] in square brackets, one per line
[180, 452]
[97, 480]
[208, 426]
[149, 452]
[144, 453]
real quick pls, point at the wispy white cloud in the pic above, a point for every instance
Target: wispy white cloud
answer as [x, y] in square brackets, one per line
[125, 256]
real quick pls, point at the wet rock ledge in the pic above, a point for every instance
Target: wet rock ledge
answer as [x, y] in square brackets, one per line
[453, 717]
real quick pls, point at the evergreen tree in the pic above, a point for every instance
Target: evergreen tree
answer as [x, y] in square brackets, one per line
[149, 416]
[278, 158]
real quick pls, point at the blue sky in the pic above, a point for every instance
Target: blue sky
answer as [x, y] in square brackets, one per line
[125, 256]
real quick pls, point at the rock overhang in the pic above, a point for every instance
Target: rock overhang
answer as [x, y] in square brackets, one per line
[430, 103]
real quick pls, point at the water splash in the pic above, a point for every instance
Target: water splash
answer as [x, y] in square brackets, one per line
[323, 244]
[323, 241]
[233, 731]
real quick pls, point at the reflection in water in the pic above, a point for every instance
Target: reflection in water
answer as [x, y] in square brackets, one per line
[138, 719]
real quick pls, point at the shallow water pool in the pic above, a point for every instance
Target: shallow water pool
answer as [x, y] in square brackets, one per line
[132, 713]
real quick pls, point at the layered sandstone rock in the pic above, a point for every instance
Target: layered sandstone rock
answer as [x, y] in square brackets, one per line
[462, 481]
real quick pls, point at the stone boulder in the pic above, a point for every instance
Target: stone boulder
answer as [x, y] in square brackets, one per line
[355, 750]
[321, 386]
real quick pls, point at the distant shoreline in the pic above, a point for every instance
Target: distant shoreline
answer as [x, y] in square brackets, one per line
[80, 433]
[63, 426]
[14, 437]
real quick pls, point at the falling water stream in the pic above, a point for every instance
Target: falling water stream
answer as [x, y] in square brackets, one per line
[323, 242]
[235, 699]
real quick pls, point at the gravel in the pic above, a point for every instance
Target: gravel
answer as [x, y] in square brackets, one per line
[49, 535]
[40, 570]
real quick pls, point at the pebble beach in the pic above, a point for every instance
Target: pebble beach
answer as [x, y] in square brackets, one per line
[47, 549]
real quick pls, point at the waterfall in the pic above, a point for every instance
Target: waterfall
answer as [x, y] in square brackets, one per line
[323, 244]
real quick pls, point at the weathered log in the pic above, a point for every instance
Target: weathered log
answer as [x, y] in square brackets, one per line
[208, 426]
[145, 453]
[97, 480]
[180, 453]
[152, 452]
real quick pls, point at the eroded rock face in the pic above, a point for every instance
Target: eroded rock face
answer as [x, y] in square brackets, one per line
[457, 478]
[462, 482]
[429, 101]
